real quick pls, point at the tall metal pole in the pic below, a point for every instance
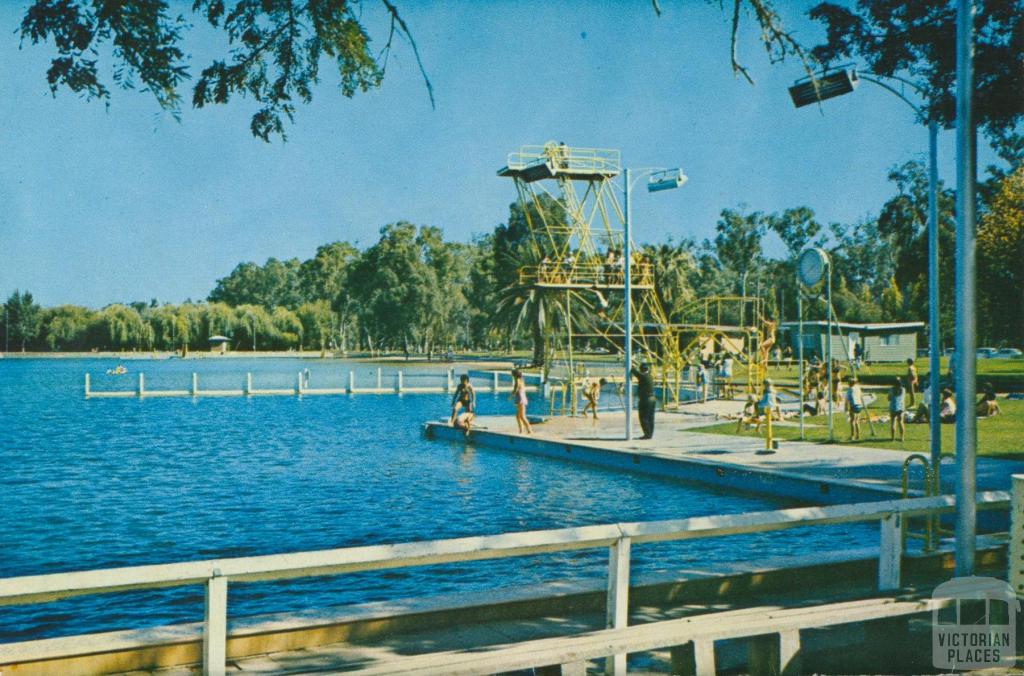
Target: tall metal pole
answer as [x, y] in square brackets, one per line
[627, 311]
[828, 350]
[934, 368]
[800, 354]
[966, 422]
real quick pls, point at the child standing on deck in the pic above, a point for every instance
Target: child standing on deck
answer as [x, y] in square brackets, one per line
[520, 401]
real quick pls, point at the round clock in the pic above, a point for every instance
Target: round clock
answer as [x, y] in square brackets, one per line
[810, 269]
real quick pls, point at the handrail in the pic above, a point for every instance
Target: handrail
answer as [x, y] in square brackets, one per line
[52, 586]
[618, 538]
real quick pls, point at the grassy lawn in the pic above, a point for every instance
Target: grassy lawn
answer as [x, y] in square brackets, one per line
[1000, 436]
[1005, 368]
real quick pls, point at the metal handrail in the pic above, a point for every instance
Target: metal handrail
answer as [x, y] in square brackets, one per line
[593, 273]
[52, 586]
[216, 573]
[579, 159]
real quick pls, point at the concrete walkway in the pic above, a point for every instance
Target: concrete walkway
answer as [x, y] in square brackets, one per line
[678, 437]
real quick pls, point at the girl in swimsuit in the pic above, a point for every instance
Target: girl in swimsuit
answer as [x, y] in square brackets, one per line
[519, 397]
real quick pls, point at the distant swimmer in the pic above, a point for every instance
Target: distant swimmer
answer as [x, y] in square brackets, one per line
[118, 370]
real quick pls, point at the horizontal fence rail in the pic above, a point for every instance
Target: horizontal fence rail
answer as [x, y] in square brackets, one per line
[217, 573]
[395, 383]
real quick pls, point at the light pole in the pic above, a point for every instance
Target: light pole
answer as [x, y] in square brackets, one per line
[829, 85]
[966, 421]
[813, 266]
[660, 179]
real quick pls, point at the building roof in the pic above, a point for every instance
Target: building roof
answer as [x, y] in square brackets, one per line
[845, 326]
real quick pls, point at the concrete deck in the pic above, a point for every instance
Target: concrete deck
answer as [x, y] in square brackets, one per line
[816, 473]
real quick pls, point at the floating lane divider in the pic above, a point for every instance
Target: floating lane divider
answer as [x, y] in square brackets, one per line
[446, 385]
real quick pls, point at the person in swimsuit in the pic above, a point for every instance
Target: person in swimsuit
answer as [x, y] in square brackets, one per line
[854, 407]
[591, 393]
[897, 411]
[912, 382]
[465, 397]
[519, 399]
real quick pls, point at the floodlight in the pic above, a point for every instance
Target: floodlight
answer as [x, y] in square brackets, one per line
[668, 179]
[810, 268]
[825, 86]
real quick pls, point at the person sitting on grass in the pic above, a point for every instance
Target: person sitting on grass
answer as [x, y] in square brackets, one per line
[854, 407]
[987, 405]
[819, 405]
[897, 411]
[749, 415]
[947, 410]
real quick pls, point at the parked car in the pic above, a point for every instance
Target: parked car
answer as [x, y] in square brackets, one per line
[985, 353]
[1010, 353]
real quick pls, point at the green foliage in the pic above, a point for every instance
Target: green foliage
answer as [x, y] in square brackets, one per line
[1001, 262]
[276, 49]
[66, 327]
[272, 284]
[23, 317]
[918, 40]
[119, 327]
[317, 323]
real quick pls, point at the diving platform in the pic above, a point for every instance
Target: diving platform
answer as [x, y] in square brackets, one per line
[538, 163]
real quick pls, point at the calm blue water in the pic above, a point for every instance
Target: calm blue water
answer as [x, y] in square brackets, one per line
[120, 482]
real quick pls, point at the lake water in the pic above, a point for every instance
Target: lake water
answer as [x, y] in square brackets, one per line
[100, 483]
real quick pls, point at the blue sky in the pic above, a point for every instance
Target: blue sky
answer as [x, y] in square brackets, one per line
[109, 204]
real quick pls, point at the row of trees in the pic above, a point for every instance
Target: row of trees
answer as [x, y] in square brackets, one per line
[412, 291]
[149, 326]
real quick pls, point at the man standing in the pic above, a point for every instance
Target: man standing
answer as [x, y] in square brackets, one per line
[645, 398]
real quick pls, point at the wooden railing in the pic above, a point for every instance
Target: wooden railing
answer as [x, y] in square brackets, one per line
[618, 538]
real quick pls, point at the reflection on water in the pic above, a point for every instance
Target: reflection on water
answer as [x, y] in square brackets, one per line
[119, 482]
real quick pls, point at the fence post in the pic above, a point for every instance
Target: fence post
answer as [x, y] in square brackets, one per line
[195, 384]
[298, 384]
[890, 551]
[142, 384]
[398, 383]
[248, 384]
[495, 386]
[448, 380]
[1016, 572]
[215, 626]
[617, 607]
[351, 382]
[86, 385]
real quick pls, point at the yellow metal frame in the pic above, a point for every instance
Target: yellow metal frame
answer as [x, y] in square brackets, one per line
[575, 253]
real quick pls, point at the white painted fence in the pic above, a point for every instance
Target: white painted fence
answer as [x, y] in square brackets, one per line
[446, 384]
[619, 538]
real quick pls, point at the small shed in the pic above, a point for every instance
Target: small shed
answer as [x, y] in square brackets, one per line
[884, 342]
[219, 344]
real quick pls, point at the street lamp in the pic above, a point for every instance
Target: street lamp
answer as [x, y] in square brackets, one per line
[659, 179]
[812, 268]
[843, 81]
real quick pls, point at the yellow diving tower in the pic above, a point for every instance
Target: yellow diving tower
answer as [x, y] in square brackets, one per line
[576, 260]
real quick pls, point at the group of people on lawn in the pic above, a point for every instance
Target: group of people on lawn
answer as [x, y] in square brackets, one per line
[902, 397]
